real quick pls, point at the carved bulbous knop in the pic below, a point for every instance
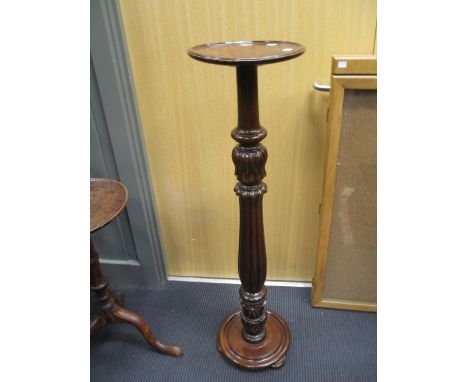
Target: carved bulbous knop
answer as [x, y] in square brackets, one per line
[250, 170]
[250, 163]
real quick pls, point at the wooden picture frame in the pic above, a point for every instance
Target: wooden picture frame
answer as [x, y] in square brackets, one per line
[348, 72]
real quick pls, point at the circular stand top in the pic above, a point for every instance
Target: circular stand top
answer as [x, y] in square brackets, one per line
[246, 52]
[108, 199]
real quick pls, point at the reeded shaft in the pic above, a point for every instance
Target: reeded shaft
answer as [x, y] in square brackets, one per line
[249, 158]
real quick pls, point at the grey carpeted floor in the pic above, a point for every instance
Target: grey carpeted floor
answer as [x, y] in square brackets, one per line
[326, 345]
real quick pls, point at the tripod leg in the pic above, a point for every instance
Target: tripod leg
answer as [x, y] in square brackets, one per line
[140, 323]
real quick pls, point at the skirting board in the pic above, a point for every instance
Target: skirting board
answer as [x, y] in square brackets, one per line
[213, 280]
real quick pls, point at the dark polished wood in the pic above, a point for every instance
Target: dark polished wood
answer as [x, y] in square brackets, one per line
[254, 337]
[108, 199]
[242, 52]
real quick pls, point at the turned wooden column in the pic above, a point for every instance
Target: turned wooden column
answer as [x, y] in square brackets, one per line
[249, 158]
[254, 337]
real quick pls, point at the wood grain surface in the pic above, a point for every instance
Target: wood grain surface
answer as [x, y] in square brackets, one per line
[188, 109]
[354, 65]
[108, 198]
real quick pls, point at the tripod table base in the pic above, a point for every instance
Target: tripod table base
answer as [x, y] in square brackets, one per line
[269, 352]
[116, 313]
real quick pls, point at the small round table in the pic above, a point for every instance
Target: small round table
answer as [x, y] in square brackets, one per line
[254, 337]
[108, 199]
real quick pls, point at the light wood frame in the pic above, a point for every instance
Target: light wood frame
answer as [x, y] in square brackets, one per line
[364, 77]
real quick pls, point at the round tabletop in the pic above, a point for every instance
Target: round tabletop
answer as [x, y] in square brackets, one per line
[108, 199]
[246, 52]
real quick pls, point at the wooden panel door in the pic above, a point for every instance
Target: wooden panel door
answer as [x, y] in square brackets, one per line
[188, 110]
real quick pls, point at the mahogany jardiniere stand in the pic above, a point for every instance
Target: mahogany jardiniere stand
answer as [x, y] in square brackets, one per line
[254, 337]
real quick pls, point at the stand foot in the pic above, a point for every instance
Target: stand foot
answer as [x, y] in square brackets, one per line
[269, 352]
[279, 364]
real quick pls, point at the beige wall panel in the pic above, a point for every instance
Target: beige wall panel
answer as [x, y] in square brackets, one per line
[188, 109]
